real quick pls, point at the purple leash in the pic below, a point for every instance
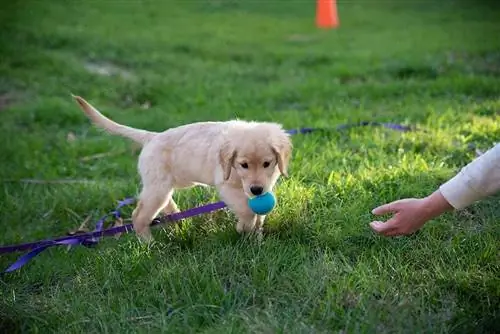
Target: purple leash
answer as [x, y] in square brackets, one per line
[90, 239]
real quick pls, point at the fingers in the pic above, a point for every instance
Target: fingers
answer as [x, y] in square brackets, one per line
[378, 226]
[389, 227]
[386, 208]
[384, 227]
[399, 205]
[406, 217]
[393, 227]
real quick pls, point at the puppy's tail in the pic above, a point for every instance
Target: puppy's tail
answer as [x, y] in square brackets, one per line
[137, 135]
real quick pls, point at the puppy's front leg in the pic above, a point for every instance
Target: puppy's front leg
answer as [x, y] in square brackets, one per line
[237, 202]
[259, 226]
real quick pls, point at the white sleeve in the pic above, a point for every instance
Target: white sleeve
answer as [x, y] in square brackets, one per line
[477, 180]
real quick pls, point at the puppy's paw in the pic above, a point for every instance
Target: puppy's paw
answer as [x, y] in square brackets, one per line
[259, 234]
[240, 227]
[145, 236]
[245, 226]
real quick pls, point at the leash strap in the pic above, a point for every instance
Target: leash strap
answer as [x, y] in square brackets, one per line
[91, 239]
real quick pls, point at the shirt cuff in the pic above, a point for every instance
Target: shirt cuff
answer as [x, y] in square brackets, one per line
[458, 192]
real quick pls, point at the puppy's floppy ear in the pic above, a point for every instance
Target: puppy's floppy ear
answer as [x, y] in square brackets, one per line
[227, 154]
[282, 148]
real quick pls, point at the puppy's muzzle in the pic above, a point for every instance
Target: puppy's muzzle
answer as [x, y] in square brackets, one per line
[256, 190]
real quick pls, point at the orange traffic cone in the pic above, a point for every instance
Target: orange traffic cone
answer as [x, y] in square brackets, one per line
[326, 14]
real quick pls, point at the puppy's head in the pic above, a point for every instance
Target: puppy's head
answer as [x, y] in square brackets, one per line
[257, 155]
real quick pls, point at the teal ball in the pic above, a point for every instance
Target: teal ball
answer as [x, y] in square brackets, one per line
[262, 204]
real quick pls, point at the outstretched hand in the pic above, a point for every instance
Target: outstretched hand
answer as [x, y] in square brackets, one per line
[409, 215]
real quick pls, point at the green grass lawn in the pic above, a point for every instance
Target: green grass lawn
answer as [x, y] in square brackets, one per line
[320, 268]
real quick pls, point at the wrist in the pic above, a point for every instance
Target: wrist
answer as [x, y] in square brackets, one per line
[435, 204]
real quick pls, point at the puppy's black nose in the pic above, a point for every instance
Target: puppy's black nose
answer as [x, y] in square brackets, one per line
[256, 190]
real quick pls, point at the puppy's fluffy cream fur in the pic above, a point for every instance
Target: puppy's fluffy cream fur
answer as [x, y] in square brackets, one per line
[234, 156]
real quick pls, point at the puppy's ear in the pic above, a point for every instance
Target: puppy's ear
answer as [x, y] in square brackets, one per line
[282, 148]
[227, 154]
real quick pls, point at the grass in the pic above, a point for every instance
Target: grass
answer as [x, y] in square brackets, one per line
[433, 64]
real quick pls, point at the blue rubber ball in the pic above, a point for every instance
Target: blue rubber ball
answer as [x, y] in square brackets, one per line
[262, 204]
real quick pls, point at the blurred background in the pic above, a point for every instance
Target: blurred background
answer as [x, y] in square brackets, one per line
[433, 64]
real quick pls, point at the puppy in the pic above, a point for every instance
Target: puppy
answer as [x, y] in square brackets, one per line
[241, 159]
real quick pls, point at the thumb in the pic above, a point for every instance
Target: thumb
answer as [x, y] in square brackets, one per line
[378, 226]
[382, 227]
[386, 208]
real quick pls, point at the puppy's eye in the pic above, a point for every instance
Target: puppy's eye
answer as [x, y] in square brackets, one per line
[244, 165]
[266, 164]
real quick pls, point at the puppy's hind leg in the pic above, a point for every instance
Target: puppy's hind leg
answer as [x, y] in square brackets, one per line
[153, 199]
[171, 207]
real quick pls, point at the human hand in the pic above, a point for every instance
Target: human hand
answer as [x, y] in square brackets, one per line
[410, 214]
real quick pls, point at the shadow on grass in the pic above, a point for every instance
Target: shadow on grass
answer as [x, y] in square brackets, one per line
[475, 316]
[9, 323]
[338, 218]
[333, 221]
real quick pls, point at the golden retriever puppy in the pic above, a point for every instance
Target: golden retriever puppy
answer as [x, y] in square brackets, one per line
[241, 159]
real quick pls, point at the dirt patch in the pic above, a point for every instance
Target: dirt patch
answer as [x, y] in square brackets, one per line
[108, 69]
[410, 72]
[480, 63]
[8, 99]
